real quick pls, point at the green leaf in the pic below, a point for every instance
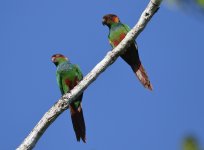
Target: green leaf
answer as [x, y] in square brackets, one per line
[190, 143]
[201, 3]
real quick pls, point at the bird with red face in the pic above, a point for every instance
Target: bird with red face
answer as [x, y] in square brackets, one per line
[68, 76]
[117, 32]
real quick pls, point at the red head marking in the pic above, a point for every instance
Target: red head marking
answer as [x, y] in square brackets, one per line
[55, 57]
[110, 19]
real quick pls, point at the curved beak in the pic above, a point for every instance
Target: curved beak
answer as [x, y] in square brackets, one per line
[53, 59]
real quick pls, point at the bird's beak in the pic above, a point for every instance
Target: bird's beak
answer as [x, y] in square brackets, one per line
[104, 21]
[53, 59]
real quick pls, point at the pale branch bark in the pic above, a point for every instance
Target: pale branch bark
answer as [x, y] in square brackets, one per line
[63, 103]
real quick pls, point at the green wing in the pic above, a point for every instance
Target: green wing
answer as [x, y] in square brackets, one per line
[127, 28]
[79, 77]
[117, 33]
[59, 82]
[69, 78]
[78, 72]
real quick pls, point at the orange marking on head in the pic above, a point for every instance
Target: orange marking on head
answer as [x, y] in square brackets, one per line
[115, 19]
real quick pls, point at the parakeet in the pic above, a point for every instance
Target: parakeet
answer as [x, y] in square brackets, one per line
[68, 76]
[117, 32]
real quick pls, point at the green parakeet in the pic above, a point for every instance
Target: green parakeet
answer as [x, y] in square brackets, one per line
[68, 76]
[117, 32]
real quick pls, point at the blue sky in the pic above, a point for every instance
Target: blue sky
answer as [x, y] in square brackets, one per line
[120, 114]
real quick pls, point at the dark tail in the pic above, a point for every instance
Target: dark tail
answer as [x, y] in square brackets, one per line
[143, 77]
[131, 56]
[78, 123]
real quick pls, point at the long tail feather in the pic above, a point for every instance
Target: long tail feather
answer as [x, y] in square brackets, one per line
[143, 77]
[78, 123]
[131, 56]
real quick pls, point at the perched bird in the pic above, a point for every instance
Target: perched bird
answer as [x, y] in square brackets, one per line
[68, 75]
[117, 32]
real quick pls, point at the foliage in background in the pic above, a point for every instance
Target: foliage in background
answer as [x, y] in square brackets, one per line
[193, 5]
[190, 143]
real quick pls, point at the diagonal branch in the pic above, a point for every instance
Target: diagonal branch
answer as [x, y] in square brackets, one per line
[63, 103]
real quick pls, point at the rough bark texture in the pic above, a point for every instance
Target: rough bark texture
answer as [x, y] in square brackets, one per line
[62, 104]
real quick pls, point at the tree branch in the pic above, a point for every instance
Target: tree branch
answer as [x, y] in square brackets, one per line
[63, 103]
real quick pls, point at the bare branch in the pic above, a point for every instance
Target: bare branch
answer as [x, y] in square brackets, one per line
[111, 56]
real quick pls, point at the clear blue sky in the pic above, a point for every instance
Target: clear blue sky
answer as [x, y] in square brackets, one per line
[120, 114]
